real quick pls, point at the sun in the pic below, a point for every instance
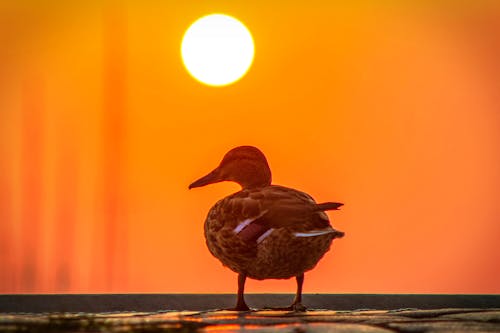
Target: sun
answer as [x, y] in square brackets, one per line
[217, 50]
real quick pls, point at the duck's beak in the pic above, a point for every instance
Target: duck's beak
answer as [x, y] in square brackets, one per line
[212, 177]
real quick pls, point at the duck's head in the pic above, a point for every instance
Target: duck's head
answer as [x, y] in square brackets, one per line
[245, 165]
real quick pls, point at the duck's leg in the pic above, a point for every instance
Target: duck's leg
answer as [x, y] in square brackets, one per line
[297, 302]
[240, 304]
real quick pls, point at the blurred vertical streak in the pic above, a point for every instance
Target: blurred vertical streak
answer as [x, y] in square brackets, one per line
[6, 232]
[66, 206]
[31, 181]
[482, 32]
[114, 228]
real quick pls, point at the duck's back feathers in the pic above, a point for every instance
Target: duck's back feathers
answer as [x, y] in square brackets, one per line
[276, 207]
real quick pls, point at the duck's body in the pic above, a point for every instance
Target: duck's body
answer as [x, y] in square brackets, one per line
[265, 231]
[272, 232]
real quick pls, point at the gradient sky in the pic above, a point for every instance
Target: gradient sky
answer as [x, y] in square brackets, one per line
[392, 109]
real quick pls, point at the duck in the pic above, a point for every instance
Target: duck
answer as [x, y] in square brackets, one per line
[265, 231]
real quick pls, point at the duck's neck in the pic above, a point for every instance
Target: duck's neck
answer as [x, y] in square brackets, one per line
[255, 176]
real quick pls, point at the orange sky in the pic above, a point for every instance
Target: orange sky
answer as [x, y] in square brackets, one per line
[393, 110]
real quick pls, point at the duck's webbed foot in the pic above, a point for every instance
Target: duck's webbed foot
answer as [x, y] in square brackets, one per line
[240, 307]
[298, 307]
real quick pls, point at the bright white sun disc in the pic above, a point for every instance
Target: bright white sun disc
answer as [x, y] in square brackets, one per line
[217, 49]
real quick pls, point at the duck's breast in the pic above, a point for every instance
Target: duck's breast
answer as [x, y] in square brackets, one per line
[222, 224]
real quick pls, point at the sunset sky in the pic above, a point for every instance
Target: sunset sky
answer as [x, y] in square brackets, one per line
[393, 110]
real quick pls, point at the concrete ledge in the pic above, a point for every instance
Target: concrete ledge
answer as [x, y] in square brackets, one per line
[264, 321]
[93, 303]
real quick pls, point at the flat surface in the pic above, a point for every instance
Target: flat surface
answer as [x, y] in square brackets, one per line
[317, 321]
[200, 302]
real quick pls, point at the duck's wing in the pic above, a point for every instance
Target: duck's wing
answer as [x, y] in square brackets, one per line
[291, 208]
[278, 207]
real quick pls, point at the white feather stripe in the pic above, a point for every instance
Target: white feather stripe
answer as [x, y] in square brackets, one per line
[264, 235]
[313, 233]
[242, 225]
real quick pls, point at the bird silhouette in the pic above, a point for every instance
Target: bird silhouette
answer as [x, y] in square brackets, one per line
[265, 231]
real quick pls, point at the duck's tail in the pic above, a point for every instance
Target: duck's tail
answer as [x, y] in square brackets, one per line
[338, 234]
[312, 233]
[328, 206]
